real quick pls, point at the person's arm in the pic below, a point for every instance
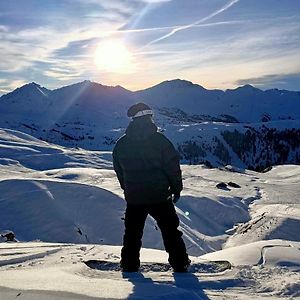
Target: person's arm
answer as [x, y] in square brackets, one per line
[171, 167]
[118, 169]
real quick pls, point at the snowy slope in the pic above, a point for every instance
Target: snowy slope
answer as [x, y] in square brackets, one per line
[83, 197]
[66, 195]
[76, 185]
[277, 213]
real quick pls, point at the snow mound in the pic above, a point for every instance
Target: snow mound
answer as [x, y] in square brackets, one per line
[62, 212]
[266, 253]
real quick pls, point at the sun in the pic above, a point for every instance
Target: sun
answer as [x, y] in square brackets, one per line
[113, 56]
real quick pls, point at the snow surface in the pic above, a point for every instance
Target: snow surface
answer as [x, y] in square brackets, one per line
[65, 207]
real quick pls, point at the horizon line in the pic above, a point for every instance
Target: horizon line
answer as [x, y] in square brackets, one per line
[164, 81]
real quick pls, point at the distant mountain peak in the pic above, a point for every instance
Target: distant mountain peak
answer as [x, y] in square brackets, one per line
[119, 87]
[34, 83]
[30, 85]
[248, 88]
[31, 89]
[181, 82]
[178, 83]
[84, 82]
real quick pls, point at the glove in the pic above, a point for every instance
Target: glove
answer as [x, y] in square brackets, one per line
[175, 198]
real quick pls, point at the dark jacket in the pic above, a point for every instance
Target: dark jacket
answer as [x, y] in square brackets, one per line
[146, 163]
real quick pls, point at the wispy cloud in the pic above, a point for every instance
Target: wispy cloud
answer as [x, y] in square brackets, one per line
[259, 49]
[180, 28]
[10, 85]
[284, 81]
[176, 27]
[156, 1]
[53, 41]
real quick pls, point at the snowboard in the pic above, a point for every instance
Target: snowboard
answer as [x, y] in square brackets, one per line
[200, 267]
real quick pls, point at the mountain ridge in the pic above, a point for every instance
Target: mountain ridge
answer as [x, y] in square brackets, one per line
[242, 104]
[204, 125]
[172, 81]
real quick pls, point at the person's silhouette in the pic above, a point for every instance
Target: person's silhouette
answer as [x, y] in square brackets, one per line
[148, 169]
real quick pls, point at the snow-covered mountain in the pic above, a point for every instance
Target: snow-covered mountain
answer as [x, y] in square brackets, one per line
[86, 102]
[205, 125]
[245, 104]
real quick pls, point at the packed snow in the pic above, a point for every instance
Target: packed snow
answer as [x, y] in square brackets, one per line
[65, 207]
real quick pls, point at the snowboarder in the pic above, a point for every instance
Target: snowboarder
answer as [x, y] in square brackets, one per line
[147, 167]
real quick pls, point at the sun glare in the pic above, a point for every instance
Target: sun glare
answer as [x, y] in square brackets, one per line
[113, 56]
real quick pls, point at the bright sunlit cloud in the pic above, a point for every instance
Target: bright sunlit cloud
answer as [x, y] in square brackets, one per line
[113, 56]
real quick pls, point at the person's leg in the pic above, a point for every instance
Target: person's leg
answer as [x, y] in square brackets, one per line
[168, 222]
[135, 217]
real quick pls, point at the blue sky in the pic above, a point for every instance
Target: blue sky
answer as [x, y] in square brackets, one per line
[215, 43]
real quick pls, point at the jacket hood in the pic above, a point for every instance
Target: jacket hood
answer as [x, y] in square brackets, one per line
[141, 128]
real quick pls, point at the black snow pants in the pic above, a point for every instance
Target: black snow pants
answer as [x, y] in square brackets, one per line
[168, 222]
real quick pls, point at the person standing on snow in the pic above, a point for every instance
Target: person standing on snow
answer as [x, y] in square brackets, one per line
[147, 167]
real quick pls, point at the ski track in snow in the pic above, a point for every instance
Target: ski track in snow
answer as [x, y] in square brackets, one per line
[27, 258]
